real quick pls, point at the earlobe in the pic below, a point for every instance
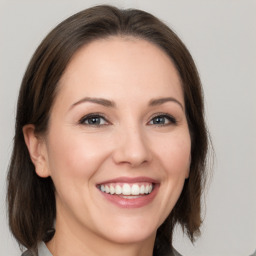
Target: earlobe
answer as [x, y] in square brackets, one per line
[37, 150]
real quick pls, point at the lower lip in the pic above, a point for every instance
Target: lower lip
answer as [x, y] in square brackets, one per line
[133, 202]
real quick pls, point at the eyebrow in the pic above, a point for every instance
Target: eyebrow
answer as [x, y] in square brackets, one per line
[155, 102]
[100, 101]
[109, 103]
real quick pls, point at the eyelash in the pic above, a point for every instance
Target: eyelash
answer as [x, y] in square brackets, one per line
[171, 119]
[98, 117]
[94, 116]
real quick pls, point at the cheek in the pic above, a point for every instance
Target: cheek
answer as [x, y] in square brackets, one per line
[175, 154]
[74, 156]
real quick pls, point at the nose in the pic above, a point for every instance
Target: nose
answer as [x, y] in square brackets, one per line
[132, 148]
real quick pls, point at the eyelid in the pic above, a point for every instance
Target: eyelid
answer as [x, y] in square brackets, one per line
[91, 115]
[171, 118]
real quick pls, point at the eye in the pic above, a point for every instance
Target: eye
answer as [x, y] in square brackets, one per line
[93, 120]
[162, 120]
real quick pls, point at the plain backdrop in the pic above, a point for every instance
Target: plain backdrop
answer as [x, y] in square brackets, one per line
[221, 36]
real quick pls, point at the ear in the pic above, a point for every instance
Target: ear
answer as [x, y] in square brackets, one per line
[37, 150]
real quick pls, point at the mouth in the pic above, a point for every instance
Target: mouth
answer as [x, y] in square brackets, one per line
[129, 192]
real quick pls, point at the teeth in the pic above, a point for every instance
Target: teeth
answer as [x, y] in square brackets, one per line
[150, 188]
[107, 190]
[127, 189]
[142, 189]
[112, 190]
[118, 190]
[147, 189]
[135, 190]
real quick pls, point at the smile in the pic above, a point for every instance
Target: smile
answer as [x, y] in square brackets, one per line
[127, 189]
[128, 192]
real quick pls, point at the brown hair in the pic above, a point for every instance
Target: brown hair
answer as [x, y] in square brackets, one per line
[31, 199]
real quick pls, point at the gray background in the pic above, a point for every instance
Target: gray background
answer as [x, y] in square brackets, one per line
[221, 36]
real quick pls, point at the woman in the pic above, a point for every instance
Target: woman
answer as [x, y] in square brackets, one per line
[110, 143]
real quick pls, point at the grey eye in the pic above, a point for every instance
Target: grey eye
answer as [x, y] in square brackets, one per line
[163, 120]
[93, 120]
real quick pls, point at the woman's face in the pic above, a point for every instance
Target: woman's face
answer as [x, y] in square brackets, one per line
[118, 143]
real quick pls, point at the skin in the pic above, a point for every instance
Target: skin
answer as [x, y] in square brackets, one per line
[127, 142]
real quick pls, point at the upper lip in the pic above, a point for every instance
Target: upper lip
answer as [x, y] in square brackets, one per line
[130, 180]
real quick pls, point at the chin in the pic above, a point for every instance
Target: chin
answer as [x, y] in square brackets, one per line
[134, 236]
[131, 232]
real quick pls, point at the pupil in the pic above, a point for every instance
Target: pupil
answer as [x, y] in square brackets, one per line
[159, 120]
[94, 120]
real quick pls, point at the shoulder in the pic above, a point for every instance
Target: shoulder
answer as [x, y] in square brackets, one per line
[28, 253]
[42, 251]
[175, 253]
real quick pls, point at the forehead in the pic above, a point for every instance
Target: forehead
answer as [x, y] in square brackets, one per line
[106, 65]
